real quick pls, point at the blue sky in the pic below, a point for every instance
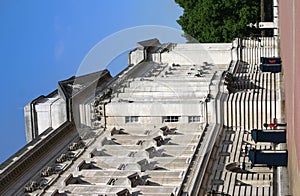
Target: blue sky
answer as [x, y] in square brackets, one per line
[43, 42]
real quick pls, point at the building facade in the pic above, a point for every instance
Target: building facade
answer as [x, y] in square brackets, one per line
[289, 50]
[129, 134]
[158, 127]
[176, 121]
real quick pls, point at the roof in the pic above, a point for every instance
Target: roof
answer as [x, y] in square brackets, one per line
[74, 85]
[148, 43]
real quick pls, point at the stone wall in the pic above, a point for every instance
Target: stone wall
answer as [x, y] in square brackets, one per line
[289, 31]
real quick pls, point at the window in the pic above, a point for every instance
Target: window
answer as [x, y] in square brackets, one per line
[131, 119]
[170, 118]
[193, 119]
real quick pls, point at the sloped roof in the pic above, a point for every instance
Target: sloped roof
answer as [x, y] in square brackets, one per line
[148, 43]
[74, 85]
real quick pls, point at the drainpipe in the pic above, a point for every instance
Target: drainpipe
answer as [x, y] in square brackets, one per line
[262, 14]
[276, 23]
[275, 17]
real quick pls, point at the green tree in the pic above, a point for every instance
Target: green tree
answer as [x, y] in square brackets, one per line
[218, 20]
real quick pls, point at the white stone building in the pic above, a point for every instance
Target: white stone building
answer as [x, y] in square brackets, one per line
[154, 129]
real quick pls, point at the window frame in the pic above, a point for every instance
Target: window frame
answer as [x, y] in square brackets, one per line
[170, 119]
[131, 119]
[194, 119]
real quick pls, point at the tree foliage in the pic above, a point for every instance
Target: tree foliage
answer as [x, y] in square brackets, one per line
[218, 20]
